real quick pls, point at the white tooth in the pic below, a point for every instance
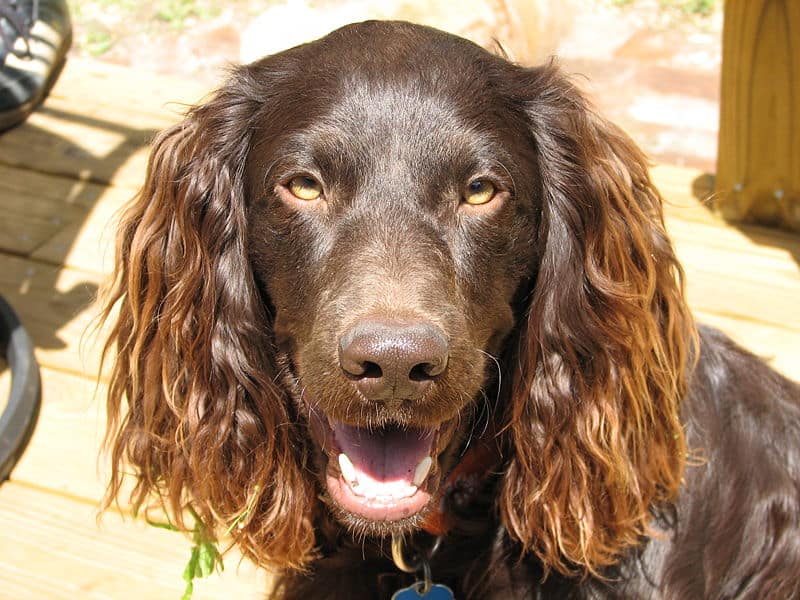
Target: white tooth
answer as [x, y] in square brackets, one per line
[422, 470]
[347, 468]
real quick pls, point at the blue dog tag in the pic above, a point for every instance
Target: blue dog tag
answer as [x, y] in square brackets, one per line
[436, 592]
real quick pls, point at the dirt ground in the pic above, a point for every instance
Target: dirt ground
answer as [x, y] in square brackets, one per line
[650, 65]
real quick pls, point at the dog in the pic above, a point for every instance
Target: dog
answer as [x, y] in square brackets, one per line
[389, 300]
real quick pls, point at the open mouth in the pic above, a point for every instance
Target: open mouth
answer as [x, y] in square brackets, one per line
[384, 473]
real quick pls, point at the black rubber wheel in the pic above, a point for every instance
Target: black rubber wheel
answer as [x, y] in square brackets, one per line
[19, 418]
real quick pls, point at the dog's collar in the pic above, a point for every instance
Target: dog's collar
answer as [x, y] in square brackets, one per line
[465, 481]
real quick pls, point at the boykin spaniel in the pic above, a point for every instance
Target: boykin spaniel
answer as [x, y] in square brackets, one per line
[415, 306]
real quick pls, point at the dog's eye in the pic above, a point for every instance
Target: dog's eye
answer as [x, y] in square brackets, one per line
[305, 188]
[479, 191]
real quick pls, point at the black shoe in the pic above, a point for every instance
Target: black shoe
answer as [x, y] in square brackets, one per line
[34, 38]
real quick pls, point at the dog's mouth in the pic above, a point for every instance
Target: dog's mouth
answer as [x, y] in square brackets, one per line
[381, 474]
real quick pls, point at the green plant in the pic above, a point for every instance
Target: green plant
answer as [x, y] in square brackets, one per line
[691, 7]
[97, 41]
[700, 7]
[205, 557]
[176, 12]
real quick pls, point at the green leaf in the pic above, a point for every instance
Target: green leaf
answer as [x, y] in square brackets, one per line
[191, 566]
[207, 558]
[167, 526]
[250, 503]
[187, 592]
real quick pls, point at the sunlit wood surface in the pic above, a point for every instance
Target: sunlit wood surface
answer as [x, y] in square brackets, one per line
[63, 177]
[758, 177]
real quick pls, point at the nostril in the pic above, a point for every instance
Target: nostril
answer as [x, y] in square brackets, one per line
[428, 370]
[371, 370]
[361, 369]
[419, 373]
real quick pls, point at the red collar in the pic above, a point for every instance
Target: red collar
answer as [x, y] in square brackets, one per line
[466, 480]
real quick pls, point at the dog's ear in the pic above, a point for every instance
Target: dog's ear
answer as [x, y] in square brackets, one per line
[594, 419]
[194, 411]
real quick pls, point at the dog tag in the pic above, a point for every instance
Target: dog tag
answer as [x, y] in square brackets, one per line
[413, 592]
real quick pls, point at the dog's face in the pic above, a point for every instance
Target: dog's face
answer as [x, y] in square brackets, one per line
[391, 228]
[334, 262]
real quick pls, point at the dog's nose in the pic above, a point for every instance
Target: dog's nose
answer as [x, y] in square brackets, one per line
[392, 360]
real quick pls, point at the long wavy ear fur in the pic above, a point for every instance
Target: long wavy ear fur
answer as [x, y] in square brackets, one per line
[193, 408]
[594, 421]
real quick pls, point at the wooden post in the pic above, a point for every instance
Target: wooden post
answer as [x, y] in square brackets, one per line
[758, 165]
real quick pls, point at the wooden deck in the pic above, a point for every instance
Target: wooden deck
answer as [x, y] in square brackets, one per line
[63, 176]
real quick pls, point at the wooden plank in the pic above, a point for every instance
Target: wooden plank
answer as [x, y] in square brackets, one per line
[67, 190]
[71, 144]
[738, 241]
[687, 193]
[22, 233]
[730, 281]
[55, 305]
[710, 291]
[145, 95]
[91, 129]
[30, 217]
[52, 547]
[88, 244]
[69, 431]
[59, 220]
[768, 253]
[689, 200]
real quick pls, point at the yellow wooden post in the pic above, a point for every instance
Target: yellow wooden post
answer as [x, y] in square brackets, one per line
[758, 165]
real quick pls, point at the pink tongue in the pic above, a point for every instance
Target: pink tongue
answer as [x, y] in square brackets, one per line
[384, 455]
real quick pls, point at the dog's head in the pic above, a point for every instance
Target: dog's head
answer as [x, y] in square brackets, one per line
[364, 251]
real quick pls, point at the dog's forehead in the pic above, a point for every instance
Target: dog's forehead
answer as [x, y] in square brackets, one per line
[378, 74]
[408, 117]
[400, 114]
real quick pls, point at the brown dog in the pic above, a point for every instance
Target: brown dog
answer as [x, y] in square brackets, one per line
[388, 284]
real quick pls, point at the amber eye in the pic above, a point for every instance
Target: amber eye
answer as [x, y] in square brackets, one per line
[305, 188]
[479, 191]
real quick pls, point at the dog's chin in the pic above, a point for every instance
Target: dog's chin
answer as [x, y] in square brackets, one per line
[382, 480]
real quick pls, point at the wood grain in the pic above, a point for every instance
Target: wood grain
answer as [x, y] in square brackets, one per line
[53, 547]
[56, 307]
[758, 168]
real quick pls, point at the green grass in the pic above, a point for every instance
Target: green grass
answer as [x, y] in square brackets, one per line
[97, 42]
[176, 12]
[697, 8]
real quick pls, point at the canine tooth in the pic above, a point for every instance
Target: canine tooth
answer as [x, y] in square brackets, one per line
[422, 470]
[347, 468]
